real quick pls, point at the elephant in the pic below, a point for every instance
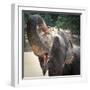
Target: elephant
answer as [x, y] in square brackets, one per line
[56, 53]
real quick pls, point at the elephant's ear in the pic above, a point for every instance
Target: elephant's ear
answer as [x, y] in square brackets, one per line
[56, 43]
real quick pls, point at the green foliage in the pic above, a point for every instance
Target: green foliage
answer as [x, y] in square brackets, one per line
[71, 22]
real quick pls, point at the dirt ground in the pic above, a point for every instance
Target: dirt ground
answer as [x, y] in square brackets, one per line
[31, 65]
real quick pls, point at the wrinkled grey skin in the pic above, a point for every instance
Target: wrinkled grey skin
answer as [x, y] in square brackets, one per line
[60, 50]
[57, 64]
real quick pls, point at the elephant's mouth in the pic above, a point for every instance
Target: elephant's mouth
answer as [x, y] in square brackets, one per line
[44, 59]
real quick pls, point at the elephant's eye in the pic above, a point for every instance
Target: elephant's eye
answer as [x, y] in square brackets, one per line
[40, 25]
